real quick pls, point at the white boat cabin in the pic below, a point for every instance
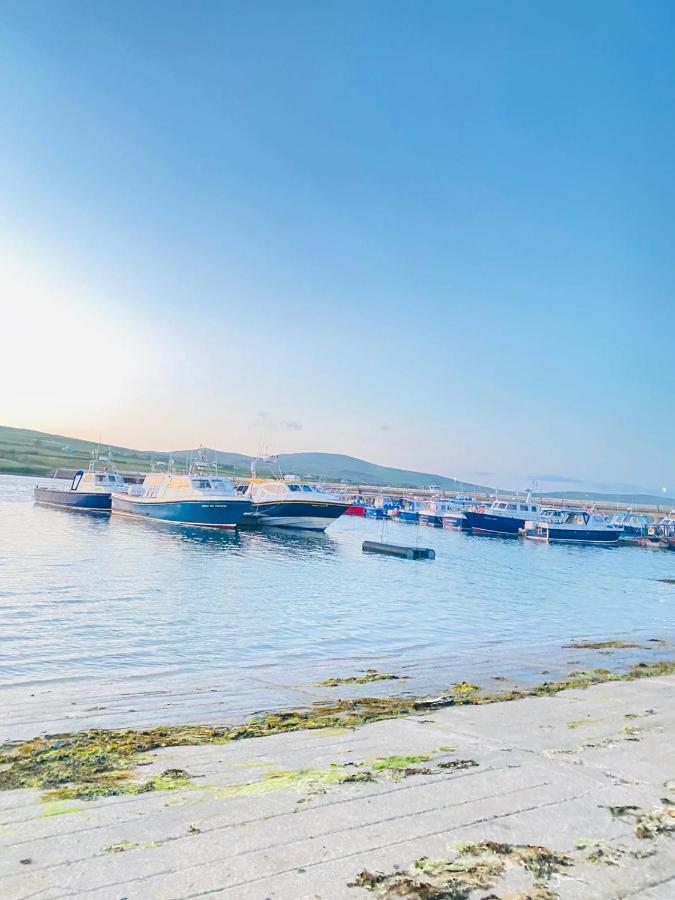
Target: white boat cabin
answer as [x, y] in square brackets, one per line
[98, 483]
[515, 510]
[276, 491]
[173, 486]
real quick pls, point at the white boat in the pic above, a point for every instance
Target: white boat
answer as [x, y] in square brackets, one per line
[291, 504]
[442, 513]
[88, 491]
[196, 499]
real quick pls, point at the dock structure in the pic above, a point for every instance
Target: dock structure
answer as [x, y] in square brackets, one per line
[552, 793]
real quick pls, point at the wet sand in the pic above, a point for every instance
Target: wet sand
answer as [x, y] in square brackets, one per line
[588, 774]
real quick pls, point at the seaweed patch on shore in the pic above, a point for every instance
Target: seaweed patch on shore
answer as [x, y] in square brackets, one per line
[604, 645]
[368, 676]
[474, 867]
[101, 762]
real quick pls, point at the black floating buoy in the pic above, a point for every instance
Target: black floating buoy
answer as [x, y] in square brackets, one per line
[398, 550]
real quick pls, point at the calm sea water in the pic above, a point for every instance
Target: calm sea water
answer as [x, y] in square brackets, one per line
[99, 599]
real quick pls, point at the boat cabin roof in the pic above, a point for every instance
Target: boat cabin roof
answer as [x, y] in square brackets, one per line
[516, 506]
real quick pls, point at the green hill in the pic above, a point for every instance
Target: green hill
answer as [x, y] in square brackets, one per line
[624, 499]
[26, 452]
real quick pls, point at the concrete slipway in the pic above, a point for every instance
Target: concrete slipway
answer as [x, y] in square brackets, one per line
[548, 770]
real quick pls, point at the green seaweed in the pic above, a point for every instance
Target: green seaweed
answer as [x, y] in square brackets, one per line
[540, 862]
[304, 780]
[100, 762]
[397, 762]
[601, 852]
[581, 723]
[475, 867]
[604, 645]
[369, 676]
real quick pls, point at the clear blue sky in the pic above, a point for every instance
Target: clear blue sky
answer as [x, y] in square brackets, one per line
[436, 235]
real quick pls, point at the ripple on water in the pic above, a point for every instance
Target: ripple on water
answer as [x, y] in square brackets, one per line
[93, 597]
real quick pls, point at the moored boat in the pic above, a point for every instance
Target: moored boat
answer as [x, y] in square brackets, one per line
[291, 504]
[196, 499]
[409, 510]
[356, 509]
[666, 531]
[503, 518]
[574, 526]
[441, 513]
[88, 491]
[637, 530]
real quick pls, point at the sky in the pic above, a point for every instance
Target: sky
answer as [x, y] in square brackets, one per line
[437, 236]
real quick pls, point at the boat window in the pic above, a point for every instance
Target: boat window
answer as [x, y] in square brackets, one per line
[307, 488]
[512, 506]
[201, 483]
[501, 506]
[100, 478]
[293, 487]
[524, 508]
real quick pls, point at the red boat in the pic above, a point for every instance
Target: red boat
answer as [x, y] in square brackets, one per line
[357, 510]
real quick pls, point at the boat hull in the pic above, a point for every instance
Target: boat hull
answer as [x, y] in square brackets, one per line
[87, 502]
[573, 536]
[306, 515]
[411, 518]
[359, 511]
[449, 521]
[429, 519]
[225, 514]
[496, 526]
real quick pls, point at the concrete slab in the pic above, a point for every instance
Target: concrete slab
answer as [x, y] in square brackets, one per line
[548, 770]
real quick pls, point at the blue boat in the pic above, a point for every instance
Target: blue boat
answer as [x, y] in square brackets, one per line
[88, 491]
[205, 501]
[502, 518]
[637, 529]
[574, 526]
[409, 511]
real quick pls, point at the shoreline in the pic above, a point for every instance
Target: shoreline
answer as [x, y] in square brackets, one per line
[306, 812]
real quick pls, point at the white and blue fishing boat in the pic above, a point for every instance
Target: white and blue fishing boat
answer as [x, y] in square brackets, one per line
[442, 513]
[666, 530]
[636, 529]
[573, 526]
[286, 502]
[194, 498]
[88, 491]
[381, 508]
[503, 518]
[292, 504]
[409, 510]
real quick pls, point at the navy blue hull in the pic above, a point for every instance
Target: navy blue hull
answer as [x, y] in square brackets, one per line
[407, 516]
[575, 536]
[200, 513]
[485, 523]
[434, 521]
[299, 508]
[94, 502]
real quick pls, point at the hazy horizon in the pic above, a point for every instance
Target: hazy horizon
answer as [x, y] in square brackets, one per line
[437, 238]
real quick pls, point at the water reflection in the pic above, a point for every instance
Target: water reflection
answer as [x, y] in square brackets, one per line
[293, 541]
[90, 596]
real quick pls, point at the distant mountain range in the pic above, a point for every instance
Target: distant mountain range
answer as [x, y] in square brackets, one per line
[27, 452]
